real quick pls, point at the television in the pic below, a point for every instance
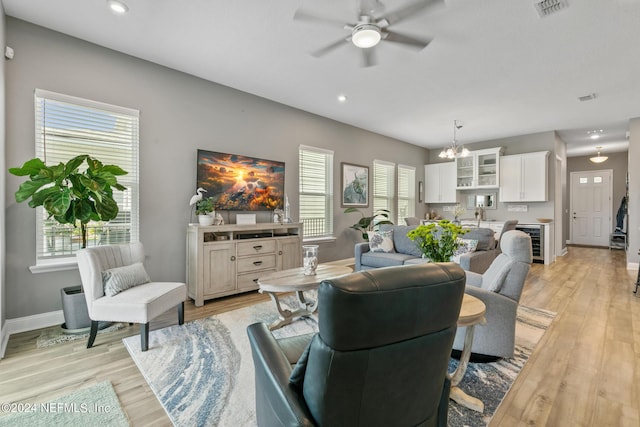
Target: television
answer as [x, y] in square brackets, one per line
[241, 183]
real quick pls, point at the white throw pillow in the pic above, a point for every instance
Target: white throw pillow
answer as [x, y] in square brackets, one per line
[116, 280]
[465, 246]
[381, 241]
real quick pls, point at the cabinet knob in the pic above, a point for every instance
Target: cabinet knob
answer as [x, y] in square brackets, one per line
[279, 252]
[233, 257]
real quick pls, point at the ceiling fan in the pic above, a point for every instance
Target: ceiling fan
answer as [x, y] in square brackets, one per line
[372, 27]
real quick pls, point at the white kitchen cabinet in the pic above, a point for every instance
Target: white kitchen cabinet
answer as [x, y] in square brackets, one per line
[523, 177]
[440, 183]
[480, 169]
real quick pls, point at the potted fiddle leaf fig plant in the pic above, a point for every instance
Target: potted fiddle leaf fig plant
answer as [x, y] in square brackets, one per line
[71, 195]
[369, 223]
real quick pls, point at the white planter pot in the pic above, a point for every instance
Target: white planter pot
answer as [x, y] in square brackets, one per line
[205, 219]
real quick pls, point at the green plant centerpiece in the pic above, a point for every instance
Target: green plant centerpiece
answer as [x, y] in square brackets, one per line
[437, 241]
[369, 223]
[71, 195]
[204, 206]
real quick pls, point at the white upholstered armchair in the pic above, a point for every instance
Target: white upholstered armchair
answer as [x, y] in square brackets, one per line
[118, 289]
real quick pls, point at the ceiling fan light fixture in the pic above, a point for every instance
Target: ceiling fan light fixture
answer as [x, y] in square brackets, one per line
[598, 158]
[366, 35]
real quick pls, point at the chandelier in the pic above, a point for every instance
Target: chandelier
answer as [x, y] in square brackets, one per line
[454, 151]
[598, 158]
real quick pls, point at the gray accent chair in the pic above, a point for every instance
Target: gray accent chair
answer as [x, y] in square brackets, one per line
[500, 288]
[412, 220]
[507, 226]
[380, 357]
[138, 304]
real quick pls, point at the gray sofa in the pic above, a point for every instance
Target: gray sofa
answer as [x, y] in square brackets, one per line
[407, 252]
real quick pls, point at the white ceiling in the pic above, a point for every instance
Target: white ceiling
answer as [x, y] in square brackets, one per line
[495, 66]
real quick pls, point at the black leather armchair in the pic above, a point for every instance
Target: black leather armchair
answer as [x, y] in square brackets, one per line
[379, 359]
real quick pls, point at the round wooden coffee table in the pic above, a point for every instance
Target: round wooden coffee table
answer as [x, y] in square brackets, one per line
[471, 314]
[294, 280]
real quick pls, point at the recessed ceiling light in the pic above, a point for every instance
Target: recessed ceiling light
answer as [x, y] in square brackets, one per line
[595, 134]
[117, 7]
[342, 98]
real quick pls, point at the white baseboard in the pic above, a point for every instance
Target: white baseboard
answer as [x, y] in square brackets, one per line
[633, 266]
[37, 321]
[4, 340]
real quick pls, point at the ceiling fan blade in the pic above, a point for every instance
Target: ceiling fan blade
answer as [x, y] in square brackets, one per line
[409, 41]
[411, 9]
[368, 57]
[301, 15]
[323, 51]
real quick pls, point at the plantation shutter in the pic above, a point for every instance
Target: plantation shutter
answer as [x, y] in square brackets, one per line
[316, 191]
[66, 127]
[383, 186]
[406, 192]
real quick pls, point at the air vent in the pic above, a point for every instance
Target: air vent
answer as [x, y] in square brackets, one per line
[587, 97]
[547, 7]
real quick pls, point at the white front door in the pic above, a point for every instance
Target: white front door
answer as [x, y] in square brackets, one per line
[591, 207]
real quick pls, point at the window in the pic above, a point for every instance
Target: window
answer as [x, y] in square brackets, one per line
[66, 127]
[316, 191]
[406, 192]
[383, 186]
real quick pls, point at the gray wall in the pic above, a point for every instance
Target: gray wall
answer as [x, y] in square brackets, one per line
[179, 114]
[618, 162]
[544, 141]
[3, 300]
[633, 233]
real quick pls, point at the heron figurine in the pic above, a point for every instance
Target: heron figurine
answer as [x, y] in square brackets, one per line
[197, 197]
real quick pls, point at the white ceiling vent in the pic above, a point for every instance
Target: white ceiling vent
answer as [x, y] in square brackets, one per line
[547, 7]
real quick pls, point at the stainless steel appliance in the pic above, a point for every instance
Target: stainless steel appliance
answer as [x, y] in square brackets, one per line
[536, 231]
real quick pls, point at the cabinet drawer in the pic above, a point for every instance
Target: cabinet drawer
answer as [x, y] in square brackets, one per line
[249, 281]
[255, 263]
[255, 247]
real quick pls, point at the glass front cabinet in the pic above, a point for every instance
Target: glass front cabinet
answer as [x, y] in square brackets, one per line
[480, 169]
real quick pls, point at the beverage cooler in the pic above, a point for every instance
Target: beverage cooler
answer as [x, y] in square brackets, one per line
[536, 231]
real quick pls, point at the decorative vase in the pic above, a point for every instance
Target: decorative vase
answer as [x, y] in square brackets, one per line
[310, 259]
[206, 219]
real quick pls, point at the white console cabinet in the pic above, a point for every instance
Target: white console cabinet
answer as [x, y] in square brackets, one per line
[523, 177]
[228, 259]
[440, 183]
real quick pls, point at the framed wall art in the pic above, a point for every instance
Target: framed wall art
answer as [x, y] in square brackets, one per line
[355, 186]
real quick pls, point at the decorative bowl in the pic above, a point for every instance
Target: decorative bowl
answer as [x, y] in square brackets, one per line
[544, 220]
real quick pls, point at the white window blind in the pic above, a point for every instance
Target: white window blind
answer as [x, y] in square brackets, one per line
[66, 127]
[383, 186]
[316, 191]
[406, 192]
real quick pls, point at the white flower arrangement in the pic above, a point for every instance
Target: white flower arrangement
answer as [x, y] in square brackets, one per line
[458, 210]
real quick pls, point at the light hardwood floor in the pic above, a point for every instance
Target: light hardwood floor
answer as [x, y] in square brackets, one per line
[584, 372]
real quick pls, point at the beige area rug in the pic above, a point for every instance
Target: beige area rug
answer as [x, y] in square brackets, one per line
[202, 372]
[94, 406]
[56, 335]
